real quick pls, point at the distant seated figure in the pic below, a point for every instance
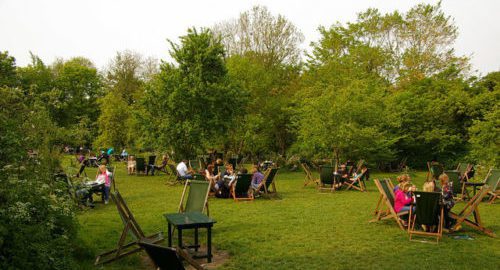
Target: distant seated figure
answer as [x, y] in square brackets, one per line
[131, 164]
[257, 177]
[183, 171]
[211, 177]
[124, 154]
[225, 181]
[164, 162]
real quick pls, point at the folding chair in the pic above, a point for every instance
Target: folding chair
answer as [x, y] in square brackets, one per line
[140, 165]
[197, 197]
[491, 180]
[462, 168]
[174, 176]
[326, 178]
[457, 184]
[309, 176]
[385, 188]
[194, 164]
[358, 179]
[165, 258]
[132, 228]
[428, 212]
[240, 190]
[472, 208]
[267, 183]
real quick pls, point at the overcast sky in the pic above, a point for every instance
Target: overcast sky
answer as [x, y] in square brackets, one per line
[97, 29]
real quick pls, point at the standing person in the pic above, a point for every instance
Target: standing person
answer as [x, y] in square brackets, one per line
[257, 178]
[183, 171]
[448, 201]
[83, 163]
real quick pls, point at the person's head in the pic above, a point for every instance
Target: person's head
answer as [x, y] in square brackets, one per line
[444, 179]
[165, 157]
[185, 161]
[102, 168]
[219, 161]
[210, 168]
[255, 168]
[229, 167]
[243, 170]
[406, 186]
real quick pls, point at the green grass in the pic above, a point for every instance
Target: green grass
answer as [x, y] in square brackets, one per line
[303, 230]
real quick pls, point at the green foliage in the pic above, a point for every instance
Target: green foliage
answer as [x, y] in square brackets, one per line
[191, 106]
[8, 76]
[37, 224]
[112, 121]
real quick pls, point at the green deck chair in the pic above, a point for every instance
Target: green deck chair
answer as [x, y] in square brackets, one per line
[140, 165]
[428, 212]
[240, 190]
[166, 258]
[131, 228]
[462, 168]
[491, 180]
[386, 198]
[457, 184]
[194, 164]
[434, 171]
[267, 184]
[195, 197]
[174, 177]
[471, 208]
[326, 178]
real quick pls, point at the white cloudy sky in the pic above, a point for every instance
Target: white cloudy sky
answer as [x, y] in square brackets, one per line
[97, 29]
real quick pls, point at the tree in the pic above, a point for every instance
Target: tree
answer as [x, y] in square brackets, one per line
[189, 107]
[275, 39]
[124, 75]
[8, 76]
[112, 121]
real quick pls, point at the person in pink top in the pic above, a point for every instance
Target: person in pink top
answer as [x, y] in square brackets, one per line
[104, 177]
[403, 199]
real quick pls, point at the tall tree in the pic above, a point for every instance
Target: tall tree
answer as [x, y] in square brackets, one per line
[8, 76]
[191, 105]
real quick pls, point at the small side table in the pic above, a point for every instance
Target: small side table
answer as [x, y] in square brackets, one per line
[191, 220]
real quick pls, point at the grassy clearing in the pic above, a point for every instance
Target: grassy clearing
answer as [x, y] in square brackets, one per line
[303, 230]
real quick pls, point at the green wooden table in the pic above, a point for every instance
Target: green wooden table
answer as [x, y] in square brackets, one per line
[190, 220]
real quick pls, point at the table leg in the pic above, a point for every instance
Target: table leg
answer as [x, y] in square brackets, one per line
[209, 244]
[196, 239]
[169, 235]
[179, 236]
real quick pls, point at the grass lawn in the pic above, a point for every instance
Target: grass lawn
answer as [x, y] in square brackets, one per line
[302, 230]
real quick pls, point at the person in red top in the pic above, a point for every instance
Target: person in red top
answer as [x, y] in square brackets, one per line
[403, 199]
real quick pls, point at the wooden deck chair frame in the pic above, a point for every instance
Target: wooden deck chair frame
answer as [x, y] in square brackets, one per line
[413, 220]
[240, 183]
[493, 184]
[130, 227]
[182, 206]
[309, 177]
[388, 212]
[174, 176]
[269, 189]
[471, 208]
[351, 183]
[158, 253]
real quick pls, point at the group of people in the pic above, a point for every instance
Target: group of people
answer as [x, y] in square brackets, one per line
[221, 182]
[101, 184]
[404, 199]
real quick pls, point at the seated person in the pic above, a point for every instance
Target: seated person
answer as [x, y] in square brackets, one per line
[402, 179]
[218, 163]
[257, 178]
[183, 171]
[131, 164]
[211, 177]
[164, 162]
[448, 201]
[225, 181]
[404, 198]
[124, 155]
[102, 183]
[356, 177]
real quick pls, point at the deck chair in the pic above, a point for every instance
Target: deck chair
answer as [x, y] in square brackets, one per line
[462, 168]
[174, 176]
[309, 177]
[194, 164]
[434, 171]
[132, 228]
[151, 164]
[457, 184]
[267, 184]
[165, 258]
[326, 178]
[428, 212]
[386, 198]
[240, 190]
[491, 180]
[471, 208]
[358, 179]
[140, 165]
[196, 198]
